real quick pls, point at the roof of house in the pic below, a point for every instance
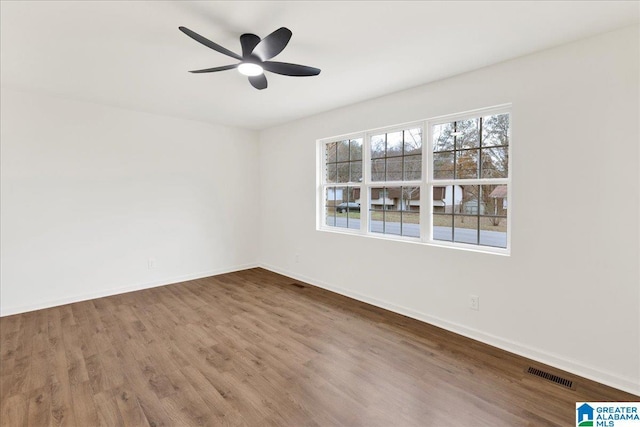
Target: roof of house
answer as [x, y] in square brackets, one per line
[500, 192]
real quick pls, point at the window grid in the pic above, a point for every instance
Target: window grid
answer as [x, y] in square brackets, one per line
[401, 222]
[480, 149]
[484, 212]
[341, 169]
[474, 204]
[404, 155]
[338, 209]
[390, 207]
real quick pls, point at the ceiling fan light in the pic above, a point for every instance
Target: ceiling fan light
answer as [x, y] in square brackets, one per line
[250, 69]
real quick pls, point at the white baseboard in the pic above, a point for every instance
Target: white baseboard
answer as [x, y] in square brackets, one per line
[520, 349]
[8, 311]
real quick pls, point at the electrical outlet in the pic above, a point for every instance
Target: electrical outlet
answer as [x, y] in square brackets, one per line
[297, 258]
[152, 263]
[474, 302]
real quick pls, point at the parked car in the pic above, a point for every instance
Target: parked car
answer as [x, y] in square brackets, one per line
[350, 206]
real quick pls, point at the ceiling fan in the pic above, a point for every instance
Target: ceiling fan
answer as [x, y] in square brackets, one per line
[255, 57]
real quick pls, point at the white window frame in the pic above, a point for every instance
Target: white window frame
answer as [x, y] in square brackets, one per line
[321, 200]
[426, 183]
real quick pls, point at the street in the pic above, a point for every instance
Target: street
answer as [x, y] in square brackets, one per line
[462, 235]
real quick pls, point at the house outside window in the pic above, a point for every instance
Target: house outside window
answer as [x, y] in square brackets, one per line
[374, 183]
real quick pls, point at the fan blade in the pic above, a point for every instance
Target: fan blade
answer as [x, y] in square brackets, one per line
[273, 44]
[211, 70]
[259, 81]
[197, 37]
[287, 69]
[249, 42]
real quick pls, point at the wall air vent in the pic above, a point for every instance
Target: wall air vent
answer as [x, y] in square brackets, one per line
[551, 377]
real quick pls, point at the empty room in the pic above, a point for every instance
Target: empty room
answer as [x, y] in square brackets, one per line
[280, 213]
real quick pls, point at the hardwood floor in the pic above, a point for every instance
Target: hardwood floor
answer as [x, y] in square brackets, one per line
[256, 348]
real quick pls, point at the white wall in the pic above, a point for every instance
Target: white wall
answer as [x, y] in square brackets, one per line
[569, 293]
[90, 193]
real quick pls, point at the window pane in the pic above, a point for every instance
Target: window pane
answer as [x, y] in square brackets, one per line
[343, 172]
[493, 231]
[443, 165]
[495, 130]
[330, 210]
[443, 227]
[413, 141]
[343, 208]
[377, 203]
[332, 172]
[494, 198]
[353, 219]
[442, 138]
[394, 144]
[395, 210]
[330, 217]
[376, 221]
[377, 170]
[377, 146]
[411, 224]
[466, 229]
[467, 164]
[346, 199]
[356, 171]
[392, 222]
[493, 227]
[352, 207]
[410, 199]
[467, 133]
[356, 149]
[410, 206]
[377, 197]
[495, 162]
[394, 169]
[331, 193]
[468, 203]
[413, 167]
[439, 201]
[330, 152]
[342, 196]
[343, 151]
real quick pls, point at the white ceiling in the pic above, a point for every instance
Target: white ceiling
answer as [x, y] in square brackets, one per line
[131, 54]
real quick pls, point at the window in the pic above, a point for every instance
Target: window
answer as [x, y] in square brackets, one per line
[376, 183]
[470, 180]
[342, 168]
[396, 162]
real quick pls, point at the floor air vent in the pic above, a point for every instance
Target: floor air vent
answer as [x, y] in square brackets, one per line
[550, 377]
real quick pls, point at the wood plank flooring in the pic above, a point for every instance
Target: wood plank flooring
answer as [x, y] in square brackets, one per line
[252, 348]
